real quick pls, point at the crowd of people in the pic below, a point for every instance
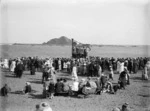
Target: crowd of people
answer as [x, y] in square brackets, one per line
[88, 67]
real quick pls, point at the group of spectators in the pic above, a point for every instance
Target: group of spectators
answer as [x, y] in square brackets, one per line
[89, 67]
[86, 66]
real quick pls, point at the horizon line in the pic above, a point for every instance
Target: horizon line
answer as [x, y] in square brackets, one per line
[68, 45]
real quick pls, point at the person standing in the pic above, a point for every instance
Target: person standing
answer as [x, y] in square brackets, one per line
[19, 69]
[12, 66]
[74, 72]
[111, 73]
[121, 66]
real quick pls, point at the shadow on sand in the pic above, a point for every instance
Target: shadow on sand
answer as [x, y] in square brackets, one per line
[36, 96]
[21, 92]
[10, 76]
[36, 82]
[146, 86]
[144, 95]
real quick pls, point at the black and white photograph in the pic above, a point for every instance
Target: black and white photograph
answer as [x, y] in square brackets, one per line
[74, 55]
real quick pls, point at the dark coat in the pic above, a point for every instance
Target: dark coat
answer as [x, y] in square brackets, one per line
[51, 87]
[59, 87]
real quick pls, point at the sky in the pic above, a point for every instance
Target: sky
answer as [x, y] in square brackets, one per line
[110, 22]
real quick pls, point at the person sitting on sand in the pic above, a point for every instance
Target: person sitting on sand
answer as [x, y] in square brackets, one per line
[125, 107]
[90, 87]
[27, 89]
[122, 79]
[46, 88]
[146, 71]
[75, 85]
[109, 87]
[65, 86]
[98, 84]
[103, 82]
[51, 89]
[4, 90]
[59, 87]
[74, 88]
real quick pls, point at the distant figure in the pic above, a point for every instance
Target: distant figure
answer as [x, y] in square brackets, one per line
[4, 90]
[12, 66]
[118, 66]
[59, 87]
[5, 64]
[146, 72]
[74, 72]
[121, 67]
[51, 89]
[46, 88]
[122, 79]
[125, 107]
[27, 89]
[111, 73]
[32, 70]
[19, 69]
[103, 82]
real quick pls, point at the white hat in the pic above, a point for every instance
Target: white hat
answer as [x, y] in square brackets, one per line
[44, 106]
[116, 109]
[28, 83]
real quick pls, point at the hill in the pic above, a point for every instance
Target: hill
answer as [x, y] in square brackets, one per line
[59, 41]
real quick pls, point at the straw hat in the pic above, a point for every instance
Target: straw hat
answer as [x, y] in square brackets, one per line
[116, 109]
[44, 106]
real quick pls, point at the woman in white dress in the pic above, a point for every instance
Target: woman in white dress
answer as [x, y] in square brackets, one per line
[6, 63]
[146, 72]
[12, 66]
[74, 72]
[59, 64]
[121, 67]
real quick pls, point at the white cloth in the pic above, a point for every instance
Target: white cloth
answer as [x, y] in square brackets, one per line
[121, 67]
[6, 63]
[75, 86]
[65, 65]
[59, 64]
